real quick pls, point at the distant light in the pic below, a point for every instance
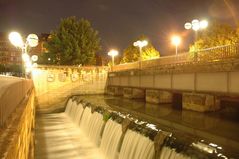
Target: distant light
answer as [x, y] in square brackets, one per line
[25, 57]
[16, 39]
[203, 24]
[141, 43]
[195, 25]
[187, 25]
[49, 59]
[32, 40]
[176, 40]
[34, 65]
[34, 58]
[28, 64]
[113, 52]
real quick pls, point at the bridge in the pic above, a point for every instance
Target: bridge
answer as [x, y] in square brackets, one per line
[64, 112]
[208, 75]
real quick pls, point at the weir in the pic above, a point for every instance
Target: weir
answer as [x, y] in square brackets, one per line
[101, 126]
[86, 130]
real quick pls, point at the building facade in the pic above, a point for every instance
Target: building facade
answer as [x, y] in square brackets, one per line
[11, 55]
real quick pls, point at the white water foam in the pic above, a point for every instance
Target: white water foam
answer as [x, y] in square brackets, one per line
[136, 146]
[111, 139]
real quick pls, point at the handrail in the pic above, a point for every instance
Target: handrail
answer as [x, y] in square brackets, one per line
[218, 53]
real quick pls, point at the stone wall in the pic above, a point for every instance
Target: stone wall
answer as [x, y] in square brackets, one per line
[200, 102]
[17, 137]
[158, 96]
[54, 84]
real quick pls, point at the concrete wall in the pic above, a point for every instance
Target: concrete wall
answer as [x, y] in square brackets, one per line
[208, 82]
[17, 137]
[12, 92]
[55, 84]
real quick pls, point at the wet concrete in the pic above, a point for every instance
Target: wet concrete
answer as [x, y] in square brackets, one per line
[221, 127]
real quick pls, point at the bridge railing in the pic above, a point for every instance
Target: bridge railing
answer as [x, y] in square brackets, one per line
[218, 53]
[206, 55]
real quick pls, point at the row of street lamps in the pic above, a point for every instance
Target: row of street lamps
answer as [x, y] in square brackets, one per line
[176, 39]
[140, 44]
[31, 41]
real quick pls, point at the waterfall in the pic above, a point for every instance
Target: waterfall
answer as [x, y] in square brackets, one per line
[170, 153]
[78, 113]
[114, 145]
[72, 110]
[95, 127]
[136, 146]
[111, 139]
[68, 106]
[84, 123]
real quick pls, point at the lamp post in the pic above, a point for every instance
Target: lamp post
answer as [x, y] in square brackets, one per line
[31, 41]
[113, 53]
[176, 40]
[140, 44]
[196, 25]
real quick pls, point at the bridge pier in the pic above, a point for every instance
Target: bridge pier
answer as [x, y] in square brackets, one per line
[200, 102]
[158, 96]
[134, 93]
[115, 91]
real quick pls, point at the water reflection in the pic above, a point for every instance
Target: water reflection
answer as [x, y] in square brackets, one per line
[214, 123]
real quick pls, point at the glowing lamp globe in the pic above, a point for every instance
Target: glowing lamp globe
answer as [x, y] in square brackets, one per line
[25, 57]
[203, 24]
[16, 39]
[32, 40]
[176, 40]
[34, 58]
[187, 26]
[195, 25]
[113, 52]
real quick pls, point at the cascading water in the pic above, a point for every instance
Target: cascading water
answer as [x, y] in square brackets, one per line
[73, 110]
[136, 146]
[113, 144]
[170, 153]
[84, 123]
[96, 124]
[111, 139]
[68, 107]
[78, 113]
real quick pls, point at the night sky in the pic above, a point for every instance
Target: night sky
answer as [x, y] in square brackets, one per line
[119, 22]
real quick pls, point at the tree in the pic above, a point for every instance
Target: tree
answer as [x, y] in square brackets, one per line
[131, 53]
[74, 42]
[215, 35]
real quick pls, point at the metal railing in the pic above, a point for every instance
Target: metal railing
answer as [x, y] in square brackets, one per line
[219, 53]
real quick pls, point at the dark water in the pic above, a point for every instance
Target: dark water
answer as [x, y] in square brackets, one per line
[221, 127]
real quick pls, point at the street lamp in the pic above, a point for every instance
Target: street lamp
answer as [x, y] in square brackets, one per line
[176, 40]
[113, 53]
[16, 39]
[196, 25]
[31, 41]
[140, 44]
